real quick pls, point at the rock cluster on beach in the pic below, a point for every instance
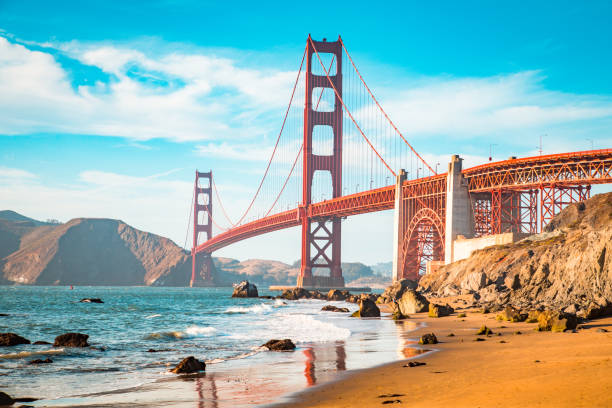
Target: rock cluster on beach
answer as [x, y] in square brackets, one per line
[279, 345]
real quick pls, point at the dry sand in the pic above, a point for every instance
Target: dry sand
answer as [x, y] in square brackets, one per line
[531, 369]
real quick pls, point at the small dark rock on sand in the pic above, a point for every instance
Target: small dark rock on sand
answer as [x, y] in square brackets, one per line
[12, 339]
[245, 289]
[484, 330]
[91, 300]
[279, 345]
[39, 361]
[414, 364]
[390, 395]
[40, 343]
[189, 365]
[332, 308]
[439, 310]
[479, 339]
[601, 330]
[428, 338]
[71, 340]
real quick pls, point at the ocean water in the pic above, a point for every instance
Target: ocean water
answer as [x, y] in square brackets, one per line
[204, 322]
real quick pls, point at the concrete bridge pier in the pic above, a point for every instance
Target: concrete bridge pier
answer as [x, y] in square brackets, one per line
[459, 210]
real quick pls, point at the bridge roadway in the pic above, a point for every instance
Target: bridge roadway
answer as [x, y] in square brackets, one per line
[555, 170]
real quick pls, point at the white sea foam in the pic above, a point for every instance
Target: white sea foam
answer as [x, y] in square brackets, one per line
[300, 328]
[200, 331]
[261, 308]
[279, 303]
[24, 354]
[152, 316]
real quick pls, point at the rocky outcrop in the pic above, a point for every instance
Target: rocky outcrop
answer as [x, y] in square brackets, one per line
[6, 400]
[245, 289]
[189, 365]
[367, 308]
[71, 340]
[396, 290]
[12, 339]
[412, 302]
[569, 265]
[295, 294]
[550, 320]
[279, 345]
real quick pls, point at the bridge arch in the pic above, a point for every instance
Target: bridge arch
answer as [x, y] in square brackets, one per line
[423, 242]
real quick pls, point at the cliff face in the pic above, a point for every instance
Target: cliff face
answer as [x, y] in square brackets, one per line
[568, 265]
[91, 252]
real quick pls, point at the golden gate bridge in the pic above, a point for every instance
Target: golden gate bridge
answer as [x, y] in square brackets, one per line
[339, 154]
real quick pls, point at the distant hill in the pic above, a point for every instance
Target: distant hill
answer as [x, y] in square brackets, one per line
[86, 251]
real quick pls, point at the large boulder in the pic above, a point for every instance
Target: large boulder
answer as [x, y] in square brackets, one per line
[440, 310]
[189, 365]
[245, 289]
[428, 338]
[510, 314]
[396, 290]
[12, 339]
[367, 308]
[71, 340]
[6, 400]
[552, 320]
[412, 302]
[279, 345]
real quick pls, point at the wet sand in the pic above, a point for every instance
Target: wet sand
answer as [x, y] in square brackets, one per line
[531, 369]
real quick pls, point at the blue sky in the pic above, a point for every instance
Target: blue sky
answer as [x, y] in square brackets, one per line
[106, 108]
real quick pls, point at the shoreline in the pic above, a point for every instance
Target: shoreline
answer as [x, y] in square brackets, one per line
[529, 369]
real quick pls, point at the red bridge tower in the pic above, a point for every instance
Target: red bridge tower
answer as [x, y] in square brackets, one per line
[202, 268]
[321, 236]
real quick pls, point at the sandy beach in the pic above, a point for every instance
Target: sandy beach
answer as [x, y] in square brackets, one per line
[530, 369]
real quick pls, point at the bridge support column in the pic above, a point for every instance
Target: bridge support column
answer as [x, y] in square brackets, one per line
[399, 227]
[459, 214]
[202, 268]
[321, 235]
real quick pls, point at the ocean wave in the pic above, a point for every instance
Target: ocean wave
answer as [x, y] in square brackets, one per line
[261, 308]
[24, 354]
[190, 332]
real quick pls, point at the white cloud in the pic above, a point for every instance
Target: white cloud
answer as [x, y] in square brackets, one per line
[8, 173]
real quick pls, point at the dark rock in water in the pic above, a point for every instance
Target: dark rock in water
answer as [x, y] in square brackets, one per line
[40, 342]
[189, 365]
[429, 338]
[39, 361]
[318, 295]
[266, 297]
[367, 308]
[396, 290]
[12, 339]
[332, 308]
[279, 345]
[71, 340]
[91, 300]
[245, 289]
[439, 310]
[550, 320]
[295, 294]
[412, 302]
[157, 351]
[5, 399]
[3, 315]
[336, 294]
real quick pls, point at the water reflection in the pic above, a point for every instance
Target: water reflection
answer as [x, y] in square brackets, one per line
[324, 366]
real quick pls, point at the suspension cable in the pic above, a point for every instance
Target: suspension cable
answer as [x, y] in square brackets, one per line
[221, 204]
[349, 112]
[383, 111]
[189, 220]
[275, 145]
